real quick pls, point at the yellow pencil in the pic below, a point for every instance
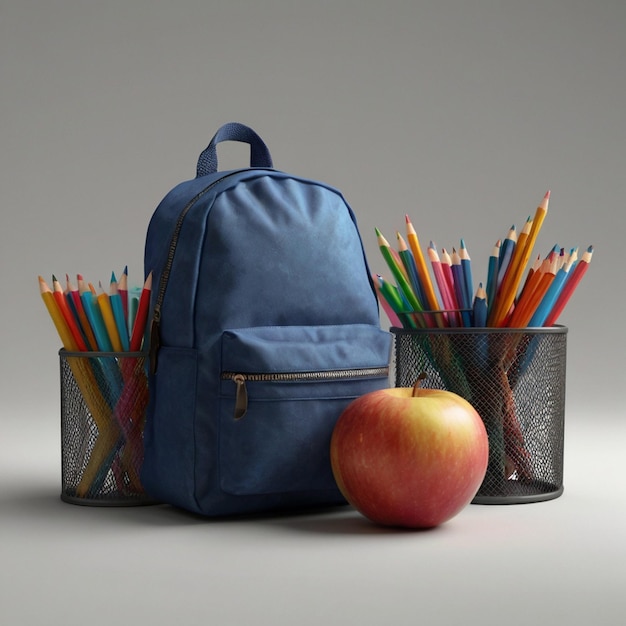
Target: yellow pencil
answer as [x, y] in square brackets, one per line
[109, 319]
[67, 339]
[422, 268]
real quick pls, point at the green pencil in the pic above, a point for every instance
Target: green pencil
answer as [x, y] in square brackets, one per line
[403, 284]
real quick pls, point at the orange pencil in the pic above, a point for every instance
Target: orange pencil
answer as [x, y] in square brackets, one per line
[524, 311]
[530, 277]
[513, 277]
[422, 268]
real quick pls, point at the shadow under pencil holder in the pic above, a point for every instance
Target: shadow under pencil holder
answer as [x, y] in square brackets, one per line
[515, 379]
[104, 396]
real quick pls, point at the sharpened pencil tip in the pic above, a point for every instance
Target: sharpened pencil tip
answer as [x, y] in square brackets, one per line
[547, 196]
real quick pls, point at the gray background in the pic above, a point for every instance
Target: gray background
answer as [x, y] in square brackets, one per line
[461, 114]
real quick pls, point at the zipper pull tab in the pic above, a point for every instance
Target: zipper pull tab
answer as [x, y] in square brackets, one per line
[241, 396]
[155, 342]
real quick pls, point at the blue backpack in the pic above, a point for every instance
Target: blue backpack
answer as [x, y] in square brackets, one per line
[265, 326]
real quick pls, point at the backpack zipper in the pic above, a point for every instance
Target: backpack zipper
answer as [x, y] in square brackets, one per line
[240, 379]
[155, 339]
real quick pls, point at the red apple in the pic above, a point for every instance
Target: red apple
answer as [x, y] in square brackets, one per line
[409, 457]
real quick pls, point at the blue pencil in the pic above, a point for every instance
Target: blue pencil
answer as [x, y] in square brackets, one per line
[480, 307]
[492, 275]
[90, 304]
[466, 263]
[459, 289]
[506, 252]
[408, 260]
[118, 313]
[556, 286]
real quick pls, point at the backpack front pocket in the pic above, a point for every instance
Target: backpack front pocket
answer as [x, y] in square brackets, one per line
[282, 390]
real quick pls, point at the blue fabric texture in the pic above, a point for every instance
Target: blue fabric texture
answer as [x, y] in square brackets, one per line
[258, 273]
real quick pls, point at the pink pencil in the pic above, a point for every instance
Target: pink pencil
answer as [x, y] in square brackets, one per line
[448, 301]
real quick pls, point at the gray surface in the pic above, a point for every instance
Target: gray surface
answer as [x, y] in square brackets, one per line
[460, 114]
[555, 562]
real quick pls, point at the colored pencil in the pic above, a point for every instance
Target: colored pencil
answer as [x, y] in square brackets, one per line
[410, 266]
[522, 253]
[530, 277]
[449, 303]
[446, 267]
[59, 296]
[466, 263]
[492, 276]
[570, 285]
[118, 313]
[422, 269]
[390, 309]
[480, 307]
[464, 301]
[67, 339]
[132, 308]
[122, 289]
[85, 326]
[525, 309]
[385, 303]
[94, 315]
[398, 274]
[139, 327]
[547, 302]
[104, 302]
[506, 253]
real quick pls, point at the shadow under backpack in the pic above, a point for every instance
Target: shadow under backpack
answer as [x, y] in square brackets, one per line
[265, 325]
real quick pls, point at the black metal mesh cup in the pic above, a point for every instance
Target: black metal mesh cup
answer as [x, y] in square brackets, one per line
[104, 396]
[515, 379]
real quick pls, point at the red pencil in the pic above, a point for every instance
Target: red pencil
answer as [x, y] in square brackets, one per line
[139, 326]
[73, 292]
[569, 287]
[59, 297]
[122, 289]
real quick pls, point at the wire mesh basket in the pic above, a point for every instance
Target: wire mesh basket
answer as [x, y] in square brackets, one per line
[104, 396]
[515, 379]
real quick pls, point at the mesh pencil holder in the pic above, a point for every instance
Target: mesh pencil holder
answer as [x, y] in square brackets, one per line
[104, 396]
[515, 379]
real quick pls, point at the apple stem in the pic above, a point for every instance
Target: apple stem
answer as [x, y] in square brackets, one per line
[417, 384]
